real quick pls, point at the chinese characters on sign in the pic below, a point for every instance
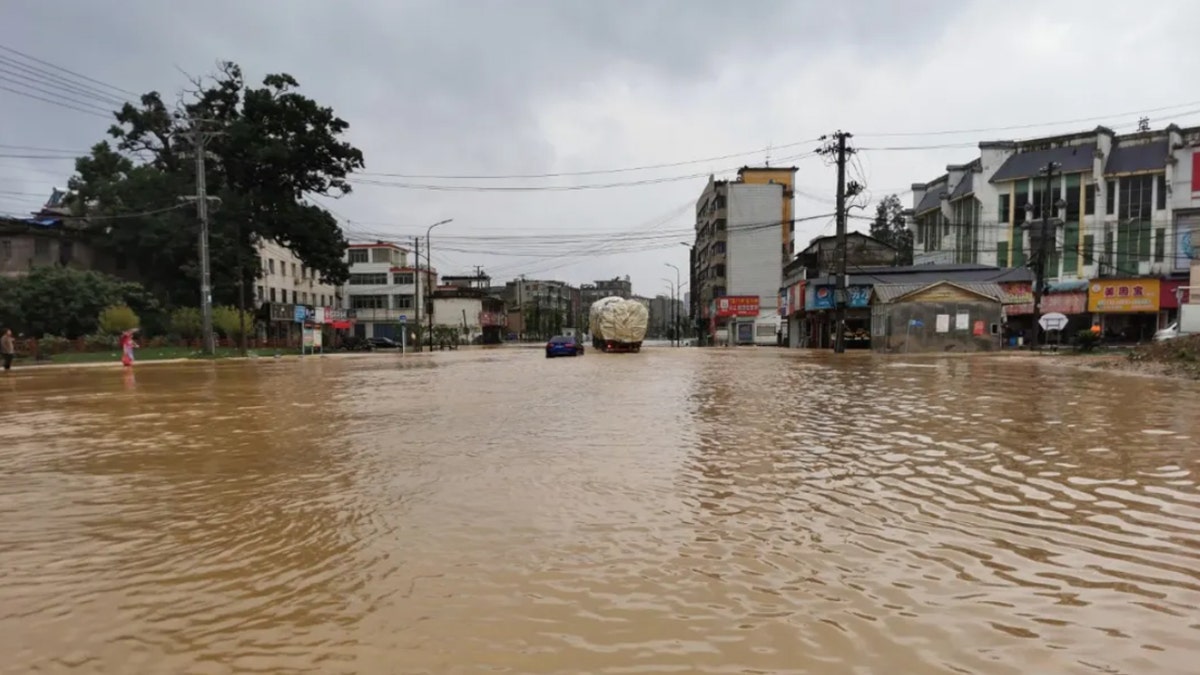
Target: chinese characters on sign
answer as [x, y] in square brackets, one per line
[856, 296]
[1123, 295]
[737, 305]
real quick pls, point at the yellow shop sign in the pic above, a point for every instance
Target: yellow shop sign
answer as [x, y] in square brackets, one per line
[1123, 295]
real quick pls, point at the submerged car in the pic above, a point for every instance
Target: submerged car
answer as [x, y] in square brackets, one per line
[562, 345]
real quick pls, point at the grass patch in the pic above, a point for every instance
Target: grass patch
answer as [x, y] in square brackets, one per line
[161, 354]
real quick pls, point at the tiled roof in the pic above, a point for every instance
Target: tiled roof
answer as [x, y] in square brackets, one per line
[1127, 158]
[933, 196]
[892, 292]
[965, 186]
[1071, 159]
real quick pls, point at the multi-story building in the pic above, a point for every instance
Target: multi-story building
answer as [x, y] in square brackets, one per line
[605, 288]
[664, 311]
[284, 279]
[384, 290]
[1124, 210]
[542, 307]
[744, 238]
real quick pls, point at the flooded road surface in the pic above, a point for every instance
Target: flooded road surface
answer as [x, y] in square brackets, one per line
[676, 511]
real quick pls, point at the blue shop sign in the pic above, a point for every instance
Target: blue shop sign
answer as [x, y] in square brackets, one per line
[856, 296]
[303, 312]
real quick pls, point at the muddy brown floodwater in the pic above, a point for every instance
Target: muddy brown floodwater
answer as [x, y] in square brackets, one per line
[675, 511]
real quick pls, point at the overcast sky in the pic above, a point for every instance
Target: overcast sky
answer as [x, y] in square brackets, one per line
[504, 87]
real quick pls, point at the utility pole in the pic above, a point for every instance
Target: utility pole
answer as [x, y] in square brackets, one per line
[199, 139]
[420, 284]
[1045, 237]
[241, 294]
[675, 305]
[840, 151]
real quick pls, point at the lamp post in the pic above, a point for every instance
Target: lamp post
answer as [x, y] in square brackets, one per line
[429, 267]
[671, 289]
[675, 306]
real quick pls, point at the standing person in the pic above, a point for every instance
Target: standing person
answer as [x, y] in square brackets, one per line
[8, 349]
[127, 347]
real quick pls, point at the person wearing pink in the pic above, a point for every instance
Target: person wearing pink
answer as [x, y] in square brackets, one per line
[127, 347]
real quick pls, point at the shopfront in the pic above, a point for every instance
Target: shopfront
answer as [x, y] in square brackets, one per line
[1066, 297]
[736, 321]
[1128, 309]
[858, 315]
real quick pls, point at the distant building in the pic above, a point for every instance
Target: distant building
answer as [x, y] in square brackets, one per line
[48, 237]
[541, 308]
[476, 316]
[384, 290]
[605, 288]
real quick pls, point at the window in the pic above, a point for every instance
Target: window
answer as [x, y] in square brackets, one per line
[1005, 209]
[303, 272]
[272, 295]
[1018, 255]
[1105, 261]
[293, 269]
[1070, 255]
[1002, 254]
[368, 301]
[304, 298]
[1074, 207]
[1135, 197]
[282, 268]
[1110, 194]
[259, 294]
[1089, 249]
[322, 299]
[369, 279]
[271, 265]
[1089, 199]
[1021, 200]
[381, 255]
[403, 278]
[359, 255]
[1160, 244]
[403, 302]
[1160, 191]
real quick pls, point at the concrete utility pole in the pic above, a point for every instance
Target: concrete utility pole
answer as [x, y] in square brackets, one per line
[839, 318]
[1044, 238]
[199, 139]
[419, 284]
[675, 306]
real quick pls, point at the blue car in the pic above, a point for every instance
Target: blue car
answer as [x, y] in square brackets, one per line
[563, 346]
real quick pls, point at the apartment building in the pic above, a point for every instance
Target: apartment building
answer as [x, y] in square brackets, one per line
[1124, 209]
[543, 307]
[284, 279]
[384, 289]
[743, 240]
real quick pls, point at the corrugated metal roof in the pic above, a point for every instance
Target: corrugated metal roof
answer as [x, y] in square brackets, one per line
[892, 292]
[1127, 158]
[1071, 159]
[923, 275]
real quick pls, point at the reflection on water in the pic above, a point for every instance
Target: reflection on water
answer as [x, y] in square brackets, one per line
[687, 510]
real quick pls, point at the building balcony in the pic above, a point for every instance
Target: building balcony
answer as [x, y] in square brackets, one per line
[385, 315]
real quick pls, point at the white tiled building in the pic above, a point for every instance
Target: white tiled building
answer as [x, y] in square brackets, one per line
[286, 280]
[385, 286]
[1127, 206]
[1128, 202]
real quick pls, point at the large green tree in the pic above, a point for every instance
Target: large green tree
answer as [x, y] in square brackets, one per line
[889, 226]
[269, 150]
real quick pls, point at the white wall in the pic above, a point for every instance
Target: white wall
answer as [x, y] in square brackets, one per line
[752, 263]
[308, 287]
[449, 312]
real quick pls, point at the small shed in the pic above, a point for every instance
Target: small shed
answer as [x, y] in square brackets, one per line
[942, 316]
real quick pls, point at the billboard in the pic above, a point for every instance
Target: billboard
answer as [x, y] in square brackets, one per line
[1117, 296]
[856, 296]
[737, 305]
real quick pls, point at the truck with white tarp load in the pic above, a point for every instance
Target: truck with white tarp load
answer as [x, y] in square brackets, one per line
[618, 325]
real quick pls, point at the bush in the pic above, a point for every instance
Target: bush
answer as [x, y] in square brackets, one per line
[117, 319]
[187, 323]
[1087, 341]
[228, 320]
[100, 341]
[53, 344]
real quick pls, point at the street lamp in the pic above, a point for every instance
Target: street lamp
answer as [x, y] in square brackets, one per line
[671, 313]
[674, 306]
[429, 267]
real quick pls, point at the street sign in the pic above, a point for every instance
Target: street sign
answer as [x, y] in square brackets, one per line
[1053, 321]
[403, 318]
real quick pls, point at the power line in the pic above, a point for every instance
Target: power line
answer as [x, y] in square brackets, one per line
[57, 103]
[65, 70]
[41, 76]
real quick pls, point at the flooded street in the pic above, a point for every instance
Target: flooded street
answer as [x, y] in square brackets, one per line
[675, 511]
